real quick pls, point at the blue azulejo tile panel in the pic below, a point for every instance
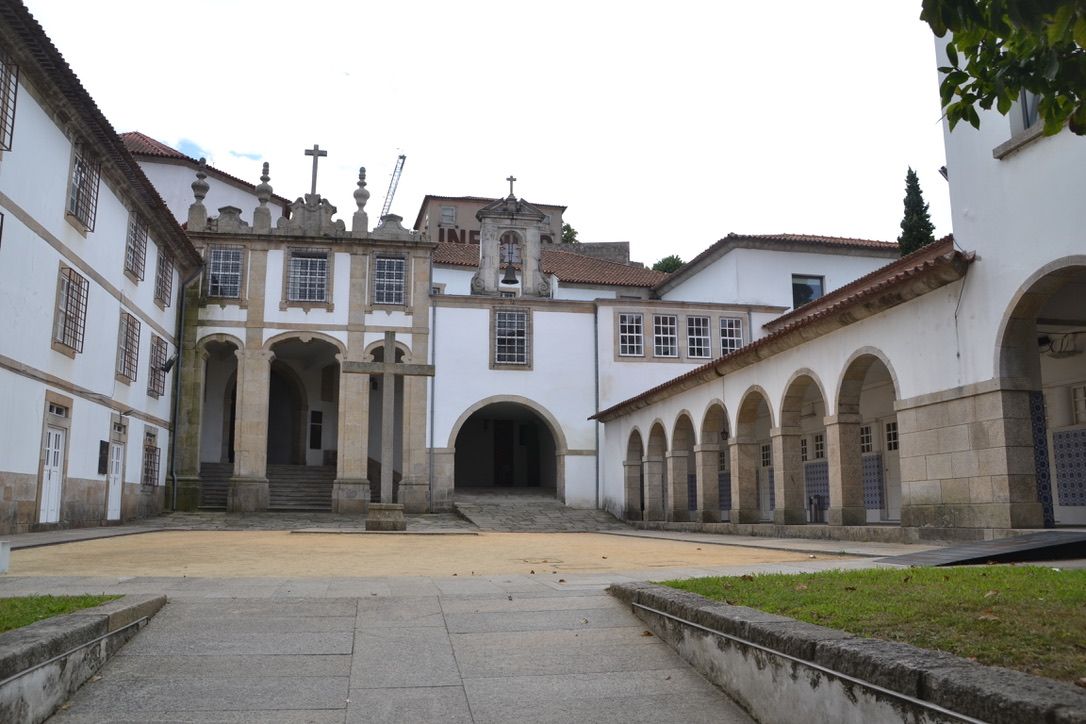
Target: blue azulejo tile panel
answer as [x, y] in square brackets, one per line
[872, 470]
[1039, 428]
[724, 480]
[1069, 451]
[816, 481]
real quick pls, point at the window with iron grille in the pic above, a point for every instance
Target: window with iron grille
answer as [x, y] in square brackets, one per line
[135, 247]
[631, 335]
[388, 280]
[722, 462]
[803, 449]
[819, 446]
[866, 441]
[307, 276]
[767, 456]
[224, 271]
[891, 436]
[151, 456]
[156, 376]
[511, 337]
[83, 187]
[163, 279]
[9, 84]
[665, 337]
[128, 347]
[71, 314]
[731, 334]
[698, 343]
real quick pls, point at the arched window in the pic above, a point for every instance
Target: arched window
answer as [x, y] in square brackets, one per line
[510, 247]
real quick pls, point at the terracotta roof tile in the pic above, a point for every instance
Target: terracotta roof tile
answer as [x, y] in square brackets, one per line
[569, 267]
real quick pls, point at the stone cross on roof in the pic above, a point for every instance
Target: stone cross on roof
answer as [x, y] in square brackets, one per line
[316, 153]
[511, 179]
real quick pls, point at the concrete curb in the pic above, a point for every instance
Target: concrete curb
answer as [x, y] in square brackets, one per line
[783, 670]
[875, 533]
[42, 664]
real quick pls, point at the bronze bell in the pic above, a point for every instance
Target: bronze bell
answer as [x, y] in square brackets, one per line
[510, 274]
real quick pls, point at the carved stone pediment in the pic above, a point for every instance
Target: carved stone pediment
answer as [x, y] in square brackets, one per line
[311, 216]
[229, 221]
[392, 228]
[510, 208]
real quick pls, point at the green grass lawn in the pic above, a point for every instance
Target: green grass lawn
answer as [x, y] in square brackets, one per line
[1022, 617]
[22, 610]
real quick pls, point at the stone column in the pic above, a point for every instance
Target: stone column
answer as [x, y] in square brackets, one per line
[707, 468]
[415, 481]
[654, 488]
[788, 482]
[846, 470]
[351, 490]
[677, 467]
[744, 458]
[632, 478]
[249, 486]
[186, 437]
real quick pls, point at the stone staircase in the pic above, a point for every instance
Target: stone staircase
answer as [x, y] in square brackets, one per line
[301, 487]
[214, 482]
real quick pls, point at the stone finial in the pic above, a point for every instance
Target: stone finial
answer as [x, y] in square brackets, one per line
[262, 214]
[360, 224]
[197, 213]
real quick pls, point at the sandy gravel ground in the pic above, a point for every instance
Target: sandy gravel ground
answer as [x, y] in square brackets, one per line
[227, 554]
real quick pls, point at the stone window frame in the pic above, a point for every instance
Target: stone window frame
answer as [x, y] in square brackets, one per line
[84, 182]
[766, 453]
[152, 458]
[730, 342]
[128, 348]
[803, 455]
[135, 247]
[9, 89]
[164, 270]
[329, 276]
[638, 336]
[707, 338]
[819, 446]
[70, 315]
[243, 272]
[156, 361]
[867, 439]
[442, 220]
[890, 436]
[405, 292]
[57, 412]
[527, 338]
[659, 322]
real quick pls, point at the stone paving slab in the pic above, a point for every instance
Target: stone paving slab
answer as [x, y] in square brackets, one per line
[280, 665]
[806, 545]
[536, 620]
[417, 705]
[399, 657]
[189, 642]
[299, 716]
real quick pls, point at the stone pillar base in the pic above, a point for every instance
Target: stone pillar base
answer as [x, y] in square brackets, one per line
[678, 516]
[708, 516]
[247, 495]
[350, 497]
[188, 493]
[385, 516]
[846, 516]
[743, 515]
[974, 515]
[414, 496]
[790, 516]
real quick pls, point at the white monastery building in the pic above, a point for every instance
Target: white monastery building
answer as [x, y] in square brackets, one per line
[777, 383]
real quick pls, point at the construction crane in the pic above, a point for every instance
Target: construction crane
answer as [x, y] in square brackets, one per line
[393, 184]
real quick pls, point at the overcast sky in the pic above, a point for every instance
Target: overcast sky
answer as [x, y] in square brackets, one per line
[664, 124]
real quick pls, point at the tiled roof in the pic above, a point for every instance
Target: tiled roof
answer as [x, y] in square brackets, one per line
[140, 144]
[769, 241]
[882, 289]
[32, 49]
[477, 199]
[570, 268]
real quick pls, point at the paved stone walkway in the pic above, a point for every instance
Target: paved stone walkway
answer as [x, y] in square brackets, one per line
[529, 512]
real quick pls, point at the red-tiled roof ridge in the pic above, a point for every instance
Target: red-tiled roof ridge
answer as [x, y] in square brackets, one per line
[140, 144]
[570, 267]
[894, 274]
[480, 199]
[734, 239]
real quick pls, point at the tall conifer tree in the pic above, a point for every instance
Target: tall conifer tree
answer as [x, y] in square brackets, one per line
[916, 227]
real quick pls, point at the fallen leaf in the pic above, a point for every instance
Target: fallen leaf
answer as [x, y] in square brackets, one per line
[850, 588]
[509, 597]
[699, 549]
[603, 557]
[646, 633]
[747, 577]
[531, 572]
[801, 586]
[584, 620]
[987, 615]
[991, 593]
[1081, 682]
[906, 579]
[667, 678]
[561, 580]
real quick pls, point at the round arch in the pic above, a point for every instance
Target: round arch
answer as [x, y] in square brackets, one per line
[219, 338]
[633, 476]
[715, 426]
[852, 376]
[689, 434]
[544, 414]
[657, 442]
[748, 406]
[304, 337]
[380, 345]
[794, 392]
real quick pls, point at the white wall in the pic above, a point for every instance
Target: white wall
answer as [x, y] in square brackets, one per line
[174, 184]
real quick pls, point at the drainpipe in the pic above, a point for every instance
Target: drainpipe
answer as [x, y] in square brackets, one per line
[177, 382]
[596, 379]
[433, 380]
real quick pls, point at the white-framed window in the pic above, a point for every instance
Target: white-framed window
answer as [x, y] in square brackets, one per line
[128, 347]
[224, 271]
[58, 410]
[448, 215]
[390, 273]
[151, 457]
[631, 334]
[731, 334]
[891, 436]
[819, 446]
[71, 316]
[803, 449]
[698, 342]
[163, 279]
[83, 187]
[511, 335]
[156, 373]
[806, 288]
[665, 336]
[767, 455]
[1078, 404]
[867, 443]
[135, 246]
[9, 85]
[307, 276]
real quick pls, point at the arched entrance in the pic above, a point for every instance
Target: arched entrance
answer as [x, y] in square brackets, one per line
[303, 403]
[753, 497]
[219, 410]
[803, 483]
[509, 446]
[1042, 351]
[714, 481]
[680, 473]
[634, 477]
[867, 394]
[287, 407]
[655, 472]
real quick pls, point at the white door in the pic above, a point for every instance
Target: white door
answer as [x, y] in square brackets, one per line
[51, 475]
[113, 495]
[891, 470]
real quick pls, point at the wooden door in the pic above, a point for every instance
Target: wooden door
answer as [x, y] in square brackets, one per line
[52, 475]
